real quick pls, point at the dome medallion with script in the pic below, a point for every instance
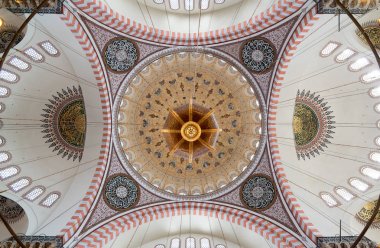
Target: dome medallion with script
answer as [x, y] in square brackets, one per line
[258, 55]
[189, 123]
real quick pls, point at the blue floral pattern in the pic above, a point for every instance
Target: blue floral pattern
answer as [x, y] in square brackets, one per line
[258, 192]
[258, 55]
[120, 55]
[121, 192]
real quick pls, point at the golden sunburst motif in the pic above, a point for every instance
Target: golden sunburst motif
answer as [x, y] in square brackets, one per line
[190, 131]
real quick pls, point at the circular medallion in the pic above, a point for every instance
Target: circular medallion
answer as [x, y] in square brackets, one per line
[121, 192]
[10, 210]
[258, 55]
[120, 55]
[196, 130]
[258, 192]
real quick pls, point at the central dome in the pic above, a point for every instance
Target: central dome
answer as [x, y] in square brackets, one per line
[189, 123]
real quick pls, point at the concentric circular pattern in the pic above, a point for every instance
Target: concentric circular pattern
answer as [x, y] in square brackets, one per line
[258, 55]
[120, 55]
[258, 192]
[121, 192]
[189, 124]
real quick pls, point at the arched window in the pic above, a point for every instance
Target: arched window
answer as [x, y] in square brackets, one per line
[19, 64]
[9, 172]
[4, 157]
[329, 48]
[344, 193]
[158, 1]
[375, 157]
[159, 246]
[220, 246]
[176, 243]
[345, 55]
[329, 199]
[359, 64]
[49, 48]
[370, 172]
[20, 184]
[190, 243]
[50, 199]
[205, 4]
[205, 243]
[34, 193]
[8, 76]
[2, 107]
[34, 55]
[371, 76]
[359, 184]
[4, 91]
[174, 4]
[374, 92]
[189, 4]
[2, 141]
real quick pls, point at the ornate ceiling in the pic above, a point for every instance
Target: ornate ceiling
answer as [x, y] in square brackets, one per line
[258, 129]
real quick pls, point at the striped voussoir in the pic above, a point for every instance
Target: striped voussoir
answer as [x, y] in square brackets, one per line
[104, 234]
[75, 27]
[104, 14]
[303, 27]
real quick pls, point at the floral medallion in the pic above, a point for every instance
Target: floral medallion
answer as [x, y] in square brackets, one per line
[258, 192]
[121, 192]
[65, 123]
[120, 55]
[258, 55]
[312, 124]
[10, 210]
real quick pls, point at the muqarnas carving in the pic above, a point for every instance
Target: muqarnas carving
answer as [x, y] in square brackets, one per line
[64, 123]
[312, 124]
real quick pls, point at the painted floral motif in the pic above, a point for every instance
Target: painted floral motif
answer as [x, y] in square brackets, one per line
[120, 55]
[10, 210]
[121, 192]
[312, 124]
[258, 55]
[65, 123]
[258, 192]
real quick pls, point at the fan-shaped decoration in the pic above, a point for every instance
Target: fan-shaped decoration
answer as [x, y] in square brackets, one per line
[120, 55]
[366, 212]
[373, 31]
[10, 210]
[6, 34]
[121, 192]
[258, 192]
[65, 123]
[258, 55]
[312, 124]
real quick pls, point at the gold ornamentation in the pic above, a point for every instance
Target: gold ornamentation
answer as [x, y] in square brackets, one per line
[372, 29]
[366, 212]
[312, 124]
[65, 123]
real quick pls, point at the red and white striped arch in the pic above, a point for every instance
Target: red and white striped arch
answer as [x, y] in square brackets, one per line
[302, 29]
[104, 234]
[107, 16]
[76, 220]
